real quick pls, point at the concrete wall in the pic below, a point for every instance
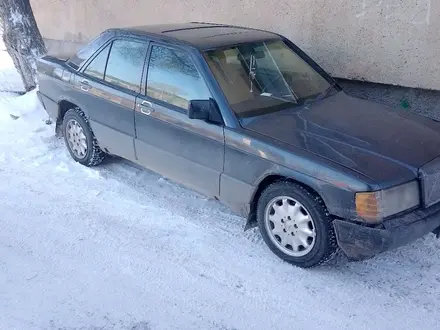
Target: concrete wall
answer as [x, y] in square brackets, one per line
[387, 41]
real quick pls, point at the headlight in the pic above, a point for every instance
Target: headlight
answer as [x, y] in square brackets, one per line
[377, 205]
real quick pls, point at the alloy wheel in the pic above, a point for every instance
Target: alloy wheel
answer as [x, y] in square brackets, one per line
[290, 226]
[76, 139]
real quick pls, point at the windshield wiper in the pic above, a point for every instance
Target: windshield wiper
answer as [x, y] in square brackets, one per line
[325, 93]
[278, 98]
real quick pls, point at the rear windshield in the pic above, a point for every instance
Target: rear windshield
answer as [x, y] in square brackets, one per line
[88, 50]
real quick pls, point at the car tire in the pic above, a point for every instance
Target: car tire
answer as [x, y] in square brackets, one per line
[80, 140]
[296, 225]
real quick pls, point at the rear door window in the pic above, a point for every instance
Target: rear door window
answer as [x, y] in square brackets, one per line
[173, 78]
[125, 64]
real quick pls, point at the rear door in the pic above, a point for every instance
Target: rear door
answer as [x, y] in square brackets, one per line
[109, 84]
[167, 141]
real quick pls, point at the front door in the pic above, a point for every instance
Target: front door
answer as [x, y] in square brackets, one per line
[188, 151]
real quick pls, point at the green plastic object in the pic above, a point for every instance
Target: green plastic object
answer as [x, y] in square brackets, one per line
[404, 103]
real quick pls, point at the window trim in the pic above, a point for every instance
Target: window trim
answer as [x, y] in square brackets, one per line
[105, 36]
[93, 57]
[147, 67]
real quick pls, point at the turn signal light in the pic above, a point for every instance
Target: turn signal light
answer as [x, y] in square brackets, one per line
[367, 206]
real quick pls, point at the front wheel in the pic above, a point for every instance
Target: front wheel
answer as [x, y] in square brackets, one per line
[295, 224]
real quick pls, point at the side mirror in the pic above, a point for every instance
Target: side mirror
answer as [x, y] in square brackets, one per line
[204, 110]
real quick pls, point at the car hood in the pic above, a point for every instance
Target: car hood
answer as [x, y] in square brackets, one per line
[372, 139]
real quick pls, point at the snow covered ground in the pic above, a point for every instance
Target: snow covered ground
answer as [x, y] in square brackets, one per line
[118, 247]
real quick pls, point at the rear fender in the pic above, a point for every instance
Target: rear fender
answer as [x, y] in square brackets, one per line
[61, 110]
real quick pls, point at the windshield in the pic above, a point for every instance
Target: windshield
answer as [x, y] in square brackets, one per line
[262, 77]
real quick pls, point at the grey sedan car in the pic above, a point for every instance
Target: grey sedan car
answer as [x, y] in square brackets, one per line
[245, 116]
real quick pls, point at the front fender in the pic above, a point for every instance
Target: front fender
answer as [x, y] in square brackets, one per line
[337, 194]
[251, 162]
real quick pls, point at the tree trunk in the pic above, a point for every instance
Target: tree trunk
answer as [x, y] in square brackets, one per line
[22, 38]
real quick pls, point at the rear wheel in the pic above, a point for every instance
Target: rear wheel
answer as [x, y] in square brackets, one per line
[79, 139]
[295, 224]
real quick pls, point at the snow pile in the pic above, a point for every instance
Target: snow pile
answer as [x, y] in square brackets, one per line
[118, 247]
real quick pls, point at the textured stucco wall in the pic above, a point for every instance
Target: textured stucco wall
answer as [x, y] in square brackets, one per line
[387, 41]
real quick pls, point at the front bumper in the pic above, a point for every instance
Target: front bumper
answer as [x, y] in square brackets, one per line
[359, 242]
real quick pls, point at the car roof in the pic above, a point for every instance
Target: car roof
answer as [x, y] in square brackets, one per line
[203, 36]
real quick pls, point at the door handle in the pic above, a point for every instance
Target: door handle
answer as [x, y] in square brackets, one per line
[146, 108]
[146, 104]
[147, 111]
[85, 85]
